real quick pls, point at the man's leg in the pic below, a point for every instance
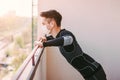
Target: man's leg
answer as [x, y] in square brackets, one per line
[99, 75]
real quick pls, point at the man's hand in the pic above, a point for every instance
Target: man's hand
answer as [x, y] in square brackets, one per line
[39, 44]
[42, 39]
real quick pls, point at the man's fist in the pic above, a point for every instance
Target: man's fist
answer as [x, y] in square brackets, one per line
[39, 44]
[42, 39]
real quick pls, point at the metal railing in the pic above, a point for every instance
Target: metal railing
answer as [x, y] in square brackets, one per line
[33, 59]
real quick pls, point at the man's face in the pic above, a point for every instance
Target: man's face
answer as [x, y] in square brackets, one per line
[46, 22]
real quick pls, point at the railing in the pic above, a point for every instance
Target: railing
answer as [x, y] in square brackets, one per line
[33, 59]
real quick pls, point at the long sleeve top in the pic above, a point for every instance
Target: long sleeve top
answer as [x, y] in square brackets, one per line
[73, 53]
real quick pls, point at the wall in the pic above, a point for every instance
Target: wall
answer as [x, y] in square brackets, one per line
[96, 25]
[58, 68]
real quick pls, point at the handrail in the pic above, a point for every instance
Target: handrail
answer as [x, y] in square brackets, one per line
[26, 62]
[33, 70]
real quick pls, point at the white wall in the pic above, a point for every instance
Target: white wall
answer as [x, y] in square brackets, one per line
[96, 25]
[58, 68]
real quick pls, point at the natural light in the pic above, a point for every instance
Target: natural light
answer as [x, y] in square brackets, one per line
[16, 19]
[20, 7]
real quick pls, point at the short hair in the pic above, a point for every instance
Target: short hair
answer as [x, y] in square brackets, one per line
[52, 14]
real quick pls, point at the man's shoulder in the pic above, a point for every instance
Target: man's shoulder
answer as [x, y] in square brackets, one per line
[64, 31]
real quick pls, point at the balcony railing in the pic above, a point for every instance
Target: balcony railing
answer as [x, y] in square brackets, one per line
[28, 69]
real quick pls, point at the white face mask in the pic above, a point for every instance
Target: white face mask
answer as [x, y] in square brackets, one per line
[45, 30]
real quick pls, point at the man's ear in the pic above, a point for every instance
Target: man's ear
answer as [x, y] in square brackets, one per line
[52, 23]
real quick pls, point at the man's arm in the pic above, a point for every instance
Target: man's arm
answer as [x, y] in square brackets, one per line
[49, 37]
[60, 41]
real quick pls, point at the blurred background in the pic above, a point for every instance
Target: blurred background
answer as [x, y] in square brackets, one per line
[18, 19]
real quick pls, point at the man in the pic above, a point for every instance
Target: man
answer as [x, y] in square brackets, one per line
[69, 47]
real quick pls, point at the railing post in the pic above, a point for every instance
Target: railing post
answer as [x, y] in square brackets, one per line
[33, 60]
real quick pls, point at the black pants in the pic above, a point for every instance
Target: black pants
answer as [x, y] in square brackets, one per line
[99, 75]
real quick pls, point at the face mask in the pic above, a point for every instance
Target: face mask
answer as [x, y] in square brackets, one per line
[45, 30]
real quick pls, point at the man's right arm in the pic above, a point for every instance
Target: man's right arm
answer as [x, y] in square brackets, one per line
[60, 41]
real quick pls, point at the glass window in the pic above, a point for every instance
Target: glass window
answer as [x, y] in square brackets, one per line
[18, 24]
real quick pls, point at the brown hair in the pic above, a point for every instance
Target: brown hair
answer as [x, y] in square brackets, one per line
[52, 14]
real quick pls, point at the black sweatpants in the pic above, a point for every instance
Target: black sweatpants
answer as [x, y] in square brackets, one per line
[99, 75]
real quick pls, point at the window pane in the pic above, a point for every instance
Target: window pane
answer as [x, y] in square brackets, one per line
[15, 34]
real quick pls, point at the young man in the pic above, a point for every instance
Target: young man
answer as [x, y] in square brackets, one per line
[69, 47]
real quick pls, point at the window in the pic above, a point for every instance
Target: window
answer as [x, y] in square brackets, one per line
[18, 24]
